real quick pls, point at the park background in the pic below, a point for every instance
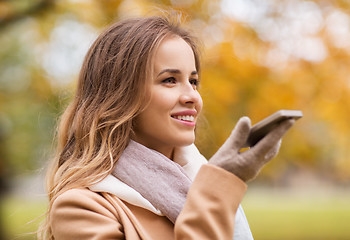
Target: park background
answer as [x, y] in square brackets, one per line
[259, 56]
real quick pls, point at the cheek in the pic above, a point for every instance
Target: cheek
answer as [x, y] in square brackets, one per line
[199, 103]
[164, 101]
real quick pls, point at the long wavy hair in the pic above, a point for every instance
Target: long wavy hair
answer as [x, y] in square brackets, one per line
[113, 88]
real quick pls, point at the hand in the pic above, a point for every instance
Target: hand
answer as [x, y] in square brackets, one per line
[246, 165]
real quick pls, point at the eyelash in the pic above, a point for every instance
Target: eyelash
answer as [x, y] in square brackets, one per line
[169, 80]
[193, 81]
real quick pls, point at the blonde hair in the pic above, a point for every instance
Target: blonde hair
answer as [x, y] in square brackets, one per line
[112, 89]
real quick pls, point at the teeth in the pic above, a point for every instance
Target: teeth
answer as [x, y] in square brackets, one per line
[185, 118]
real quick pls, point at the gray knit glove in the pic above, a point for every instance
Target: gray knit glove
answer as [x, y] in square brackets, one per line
[247, 164]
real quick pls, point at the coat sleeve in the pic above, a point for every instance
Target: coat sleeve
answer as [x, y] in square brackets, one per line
[82, 214]
[211, 205]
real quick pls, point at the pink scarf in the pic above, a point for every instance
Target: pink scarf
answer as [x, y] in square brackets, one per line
[157, 178]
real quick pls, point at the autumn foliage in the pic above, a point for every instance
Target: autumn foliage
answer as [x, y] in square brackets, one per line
[259, 57]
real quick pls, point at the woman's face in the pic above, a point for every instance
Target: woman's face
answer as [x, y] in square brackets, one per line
[170, 118]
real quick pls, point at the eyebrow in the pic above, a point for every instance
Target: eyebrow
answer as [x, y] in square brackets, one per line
[174, 71]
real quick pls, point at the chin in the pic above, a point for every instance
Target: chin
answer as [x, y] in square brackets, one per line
[186, 141]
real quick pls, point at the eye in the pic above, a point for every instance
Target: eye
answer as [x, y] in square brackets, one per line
[194, 82]
[170, 80]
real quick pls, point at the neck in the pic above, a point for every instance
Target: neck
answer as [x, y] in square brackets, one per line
[167, 151]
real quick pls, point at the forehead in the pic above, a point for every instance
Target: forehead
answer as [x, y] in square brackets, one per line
[174, 52]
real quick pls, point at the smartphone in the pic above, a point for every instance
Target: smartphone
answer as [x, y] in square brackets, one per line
[259, 130]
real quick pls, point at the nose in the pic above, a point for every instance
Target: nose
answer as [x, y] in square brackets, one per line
[189, 95]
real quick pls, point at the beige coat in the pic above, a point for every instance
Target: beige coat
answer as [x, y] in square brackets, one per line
[209, 213]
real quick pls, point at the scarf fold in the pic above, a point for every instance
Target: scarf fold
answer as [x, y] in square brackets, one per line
[158, 179]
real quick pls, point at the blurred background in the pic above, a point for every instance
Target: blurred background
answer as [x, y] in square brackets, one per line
[259, 56]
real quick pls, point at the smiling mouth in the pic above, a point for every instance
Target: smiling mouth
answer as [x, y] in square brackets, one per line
[187, 118]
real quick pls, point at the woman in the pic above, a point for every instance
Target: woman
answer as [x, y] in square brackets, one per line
[126, 166]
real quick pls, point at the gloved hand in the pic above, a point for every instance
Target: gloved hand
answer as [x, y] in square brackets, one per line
[247, 164]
